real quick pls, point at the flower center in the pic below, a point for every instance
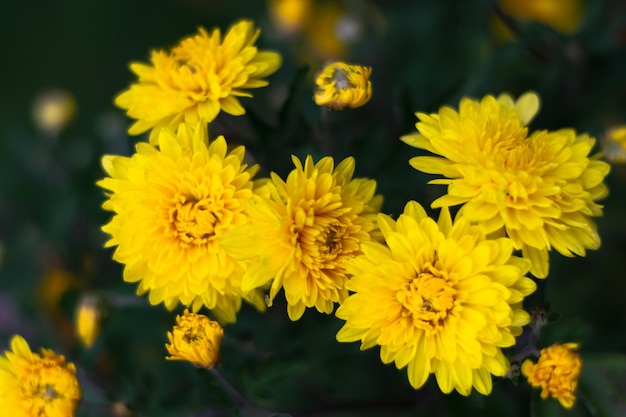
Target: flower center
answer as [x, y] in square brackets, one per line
[194, 220]
[342, 80]
[428, 299]
[329, 240]
[50, 393]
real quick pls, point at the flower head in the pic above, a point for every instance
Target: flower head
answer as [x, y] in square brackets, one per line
[340, 85]
[541, 189]
[171, 207]
[34, 384]
[200, 76]
[195, 339]
[439, 297]
[303, 230]
[556, 372]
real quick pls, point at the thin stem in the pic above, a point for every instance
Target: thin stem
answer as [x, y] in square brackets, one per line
[235, 395]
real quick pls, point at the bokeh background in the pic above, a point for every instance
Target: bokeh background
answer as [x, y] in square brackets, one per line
[63, 61]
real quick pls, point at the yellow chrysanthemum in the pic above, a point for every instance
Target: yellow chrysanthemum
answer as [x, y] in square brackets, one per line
[540, 189]
[35, 385]
[195, 339]
[556, 372]
[302, 230]
[440, 298]
[199, 77]
[340, 85]
[171, 207]
[563, 15]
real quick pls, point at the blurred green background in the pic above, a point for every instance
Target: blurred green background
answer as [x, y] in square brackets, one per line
[424, 54]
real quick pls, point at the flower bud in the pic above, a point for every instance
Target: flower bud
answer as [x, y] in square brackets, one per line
[556, 372]
[195, 339]
[340, 85]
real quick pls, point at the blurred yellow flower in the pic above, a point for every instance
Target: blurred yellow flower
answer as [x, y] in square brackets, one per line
[290, 16]
[53, 110]
[34, 385]
[171, 207]
[195, 339]
[562, 15]
[541, 189]
[199, 77]
[614, 144]
[321, 30]
[439, 297]
[340, 85]
[556, 372]
[302, 231]
[88, 318]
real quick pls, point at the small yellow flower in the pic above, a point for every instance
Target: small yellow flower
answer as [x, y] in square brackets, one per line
[614, 144]
[340, 85]
[289, 15]
[195, 339]
[556, 372]
[562, 15]
[53, 110]
[199, 77]
[541, 189]
[33, 385]
[301, 232]
[88, 320]
[172, 204]
[439, 298]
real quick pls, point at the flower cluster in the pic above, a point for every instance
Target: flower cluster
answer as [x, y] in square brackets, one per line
[540, 188]
[193, 225]
[34, 384]
[556, 372]
[438, 297]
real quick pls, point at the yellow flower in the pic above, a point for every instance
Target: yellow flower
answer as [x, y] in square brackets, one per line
[302, 230]
[439, 297]
[614, 144]
[199, 77]
[340, 85]
[540, 189]
[195, 339]
[89, 315]
[53, 110]
[289, 15]
[171, 207]
[556, 372]
[34, 385]
[562, 15]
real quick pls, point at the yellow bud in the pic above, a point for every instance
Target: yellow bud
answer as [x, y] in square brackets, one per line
[90, 313]
[340, 85]
[289, 15]
[195, 339]
[614, 144]
[556, 372]
[53, 110]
